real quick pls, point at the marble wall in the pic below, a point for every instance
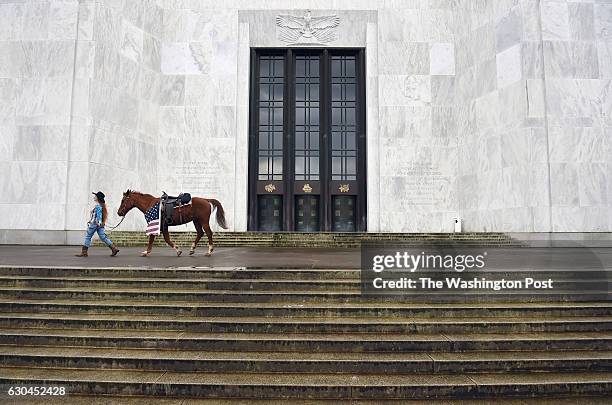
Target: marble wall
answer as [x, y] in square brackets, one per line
[117, 82]
[80, 89]
[196, 152]
[37, 46]
[577, 55]
[533, 103]
[416, 79]
[496, 111]
[503, 181]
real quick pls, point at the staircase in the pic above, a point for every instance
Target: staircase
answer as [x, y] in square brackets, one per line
[289, 334]
[316, 239]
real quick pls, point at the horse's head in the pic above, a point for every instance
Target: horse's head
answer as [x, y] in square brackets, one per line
[127, 203]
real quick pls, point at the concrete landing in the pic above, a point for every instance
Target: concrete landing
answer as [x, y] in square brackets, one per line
[278, 257]
[165, 257]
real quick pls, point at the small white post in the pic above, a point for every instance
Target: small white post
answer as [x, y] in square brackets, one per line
[458, 222]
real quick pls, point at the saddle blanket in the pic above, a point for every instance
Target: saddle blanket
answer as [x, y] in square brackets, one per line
[152, 216]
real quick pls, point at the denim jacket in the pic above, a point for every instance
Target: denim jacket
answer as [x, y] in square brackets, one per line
[96, 216]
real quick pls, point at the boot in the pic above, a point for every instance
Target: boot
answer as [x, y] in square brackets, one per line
[83, 252]
[114, 250]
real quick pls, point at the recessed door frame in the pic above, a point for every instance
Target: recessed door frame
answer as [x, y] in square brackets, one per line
[325, 187]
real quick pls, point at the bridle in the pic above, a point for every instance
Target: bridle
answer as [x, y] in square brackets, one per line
[123, 217]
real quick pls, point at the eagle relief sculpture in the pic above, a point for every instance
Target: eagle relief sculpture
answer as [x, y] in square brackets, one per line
[307, 29]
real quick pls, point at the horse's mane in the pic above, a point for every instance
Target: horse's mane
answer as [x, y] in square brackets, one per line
[139, 193]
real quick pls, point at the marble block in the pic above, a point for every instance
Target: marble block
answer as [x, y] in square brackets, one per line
[131, 45]
[401, 57]
[401, 90]
[185, 58]
[43, 102]
[508, 30]
[509, 66]
[581, 21]
[11, 20]
[603, 22]
[172, 91]
[41, 143]
[442, 59]
[604, 53]
[555, 20]
[63, 19]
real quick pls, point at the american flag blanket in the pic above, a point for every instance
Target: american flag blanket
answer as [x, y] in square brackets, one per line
[152, 216]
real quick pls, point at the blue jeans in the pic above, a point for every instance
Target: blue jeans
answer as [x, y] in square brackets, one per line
[93, 228]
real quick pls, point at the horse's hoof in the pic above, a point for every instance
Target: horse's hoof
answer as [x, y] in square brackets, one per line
[145, 254]
[191, 252]
[178, 252]
[208, 254]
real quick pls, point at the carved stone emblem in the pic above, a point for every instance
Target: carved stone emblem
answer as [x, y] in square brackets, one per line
[307, 188]
[270, 187]
[307, 29]
[344, 188]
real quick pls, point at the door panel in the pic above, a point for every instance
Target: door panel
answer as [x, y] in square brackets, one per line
[307, 213]
[344, 213]
[270, 215]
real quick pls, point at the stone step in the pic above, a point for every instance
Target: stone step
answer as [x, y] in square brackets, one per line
[285, 285]
[297, 309]
[306, 324]
[324, 362]
[181, 272]
[202, 295]
[319, 239]
[185, 284]
[308, 342]
[185, 243]
[268, 386]
[201, 273]
[139, 400]
[332, 235]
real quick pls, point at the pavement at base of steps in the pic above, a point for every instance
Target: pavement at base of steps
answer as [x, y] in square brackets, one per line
[166, 257]
[600, 259]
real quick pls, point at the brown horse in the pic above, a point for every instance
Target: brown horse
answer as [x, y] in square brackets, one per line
[197, 212]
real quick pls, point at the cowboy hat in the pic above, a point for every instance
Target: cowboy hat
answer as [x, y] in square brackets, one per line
[99, 195]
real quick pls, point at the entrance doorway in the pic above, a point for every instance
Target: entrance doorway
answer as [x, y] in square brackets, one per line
[307, 167]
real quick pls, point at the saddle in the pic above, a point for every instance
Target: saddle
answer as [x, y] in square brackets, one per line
[170, 203]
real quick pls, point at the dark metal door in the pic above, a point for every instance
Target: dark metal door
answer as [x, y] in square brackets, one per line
[270, 213]
[307, 213]
[344, 213]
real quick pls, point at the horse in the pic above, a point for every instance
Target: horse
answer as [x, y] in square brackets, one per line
[198, 212]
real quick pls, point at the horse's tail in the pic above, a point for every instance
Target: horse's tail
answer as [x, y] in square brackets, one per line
[220, 213]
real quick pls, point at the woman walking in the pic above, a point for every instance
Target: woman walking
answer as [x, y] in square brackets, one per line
[96, 224]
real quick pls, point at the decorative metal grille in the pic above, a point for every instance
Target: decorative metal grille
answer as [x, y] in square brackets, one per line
[343, 118]
[307, 117]
[270, 123]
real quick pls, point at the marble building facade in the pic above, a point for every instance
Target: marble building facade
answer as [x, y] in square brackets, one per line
[495, 111]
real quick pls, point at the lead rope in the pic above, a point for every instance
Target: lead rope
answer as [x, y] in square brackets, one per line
[113, 227]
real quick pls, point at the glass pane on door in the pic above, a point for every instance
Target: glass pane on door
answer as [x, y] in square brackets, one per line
[270, 117]
[307, 117]
[343, 119]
